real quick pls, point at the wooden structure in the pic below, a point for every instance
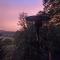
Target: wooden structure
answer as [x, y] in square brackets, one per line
[39, 20]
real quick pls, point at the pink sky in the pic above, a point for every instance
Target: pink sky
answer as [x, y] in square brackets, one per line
[9, 13]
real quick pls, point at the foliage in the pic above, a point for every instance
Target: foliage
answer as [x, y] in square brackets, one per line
[27, 45]
[54, 36]
[22, 20]
[1, 50]
[7, 47]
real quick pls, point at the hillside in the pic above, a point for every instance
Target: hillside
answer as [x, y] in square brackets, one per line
[6, 33]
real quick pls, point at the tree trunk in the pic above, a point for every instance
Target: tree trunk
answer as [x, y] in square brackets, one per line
[50, 57]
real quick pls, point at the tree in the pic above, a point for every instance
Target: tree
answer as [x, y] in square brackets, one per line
[1, 50]
[45, 1]
[22, 20]
[52, 35]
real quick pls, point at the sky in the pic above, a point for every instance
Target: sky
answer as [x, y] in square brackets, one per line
[10, 10]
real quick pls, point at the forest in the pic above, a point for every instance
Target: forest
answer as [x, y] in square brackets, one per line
[39, 38]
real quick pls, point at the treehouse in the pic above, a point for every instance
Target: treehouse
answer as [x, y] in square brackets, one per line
[39, 19]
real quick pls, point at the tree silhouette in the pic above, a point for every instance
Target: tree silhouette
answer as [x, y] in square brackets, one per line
[22, 20]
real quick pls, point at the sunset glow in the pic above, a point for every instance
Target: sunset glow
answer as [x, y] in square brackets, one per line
[10, 10]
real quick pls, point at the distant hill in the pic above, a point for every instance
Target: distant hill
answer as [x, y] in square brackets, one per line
[6, 33]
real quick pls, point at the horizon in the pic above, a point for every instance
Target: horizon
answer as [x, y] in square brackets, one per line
[10, 10]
